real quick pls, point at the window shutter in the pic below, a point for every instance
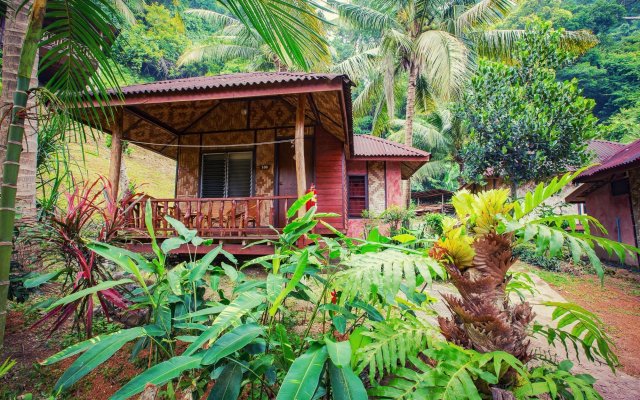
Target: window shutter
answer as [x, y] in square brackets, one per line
[357, 191]
[214, 171]
[239, 174]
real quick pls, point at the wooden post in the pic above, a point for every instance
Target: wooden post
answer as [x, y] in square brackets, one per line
[301, 177]
[116, 154]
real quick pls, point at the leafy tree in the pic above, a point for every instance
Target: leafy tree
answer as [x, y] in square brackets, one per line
[524, 124]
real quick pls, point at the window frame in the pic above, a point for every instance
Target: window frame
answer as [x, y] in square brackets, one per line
[226, 178]
[366, 194]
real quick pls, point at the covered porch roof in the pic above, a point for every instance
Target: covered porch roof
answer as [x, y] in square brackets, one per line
[373, 148]
[155, 115]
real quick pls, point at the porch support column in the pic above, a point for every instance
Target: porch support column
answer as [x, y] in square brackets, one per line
[301, 177]
[116, 153]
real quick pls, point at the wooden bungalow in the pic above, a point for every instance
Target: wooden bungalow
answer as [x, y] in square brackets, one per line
[247, 145]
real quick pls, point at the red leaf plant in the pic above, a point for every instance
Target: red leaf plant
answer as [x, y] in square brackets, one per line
[90, 213]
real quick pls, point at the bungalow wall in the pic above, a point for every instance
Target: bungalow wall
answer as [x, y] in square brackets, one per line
[614, 213]
[383, 190]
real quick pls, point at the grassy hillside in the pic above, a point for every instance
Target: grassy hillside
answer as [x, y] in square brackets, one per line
[151, 172]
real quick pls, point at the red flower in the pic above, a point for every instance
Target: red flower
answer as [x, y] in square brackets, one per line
[334, 297]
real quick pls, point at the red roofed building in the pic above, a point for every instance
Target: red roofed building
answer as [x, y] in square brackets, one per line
[247, 145]
[610, 192]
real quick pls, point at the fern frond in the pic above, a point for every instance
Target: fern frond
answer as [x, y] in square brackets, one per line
[392, 342]
[587, 332]
[558, 383]
[454, 375]
[380, 274]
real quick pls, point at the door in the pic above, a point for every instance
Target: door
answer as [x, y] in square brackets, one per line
[287, 175]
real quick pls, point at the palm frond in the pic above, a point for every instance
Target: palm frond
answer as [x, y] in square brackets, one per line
[358, 65]
[484, 13]
[291, 29]
[425, 136]
[219, 52]
[363, 17]
[212, 17]
[500, 44]
[444, 59]
[125, 11]
[77, 46]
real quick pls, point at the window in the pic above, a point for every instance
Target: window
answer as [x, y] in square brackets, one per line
[620, 187]
[357, 192]
[227, 174]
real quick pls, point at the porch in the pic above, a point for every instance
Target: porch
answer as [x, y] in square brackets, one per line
[245, 147]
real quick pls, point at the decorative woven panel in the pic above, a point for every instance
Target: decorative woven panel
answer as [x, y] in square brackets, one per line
[188, 167]
[377, 197]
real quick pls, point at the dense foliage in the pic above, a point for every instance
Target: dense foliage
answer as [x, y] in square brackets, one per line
[210, 328]
[524, 124]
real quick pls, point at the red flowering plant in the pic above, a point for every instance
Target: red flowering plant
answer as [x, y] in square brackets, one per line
[89, 212]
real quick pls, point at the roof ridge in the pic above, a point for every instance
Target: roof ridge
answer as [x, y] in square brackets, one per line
[609, 142]
[205, 77]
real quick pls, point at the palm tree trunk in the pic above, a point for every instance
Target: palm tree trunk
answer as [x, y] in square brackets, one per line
[11, 164]
[14, 33]
[408, 130]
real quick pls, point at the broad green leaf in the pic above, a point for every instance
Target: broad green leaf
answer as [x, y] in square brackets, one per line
[89, 291]
[302, 379]
[187, 234]
[232, 313]
[287, 351]
[404, 238]
[96, 355]
[157, 375]
[345, 383]
[339, 352]
[82, 346]
[227, 386]
[171, 244]
[231, 342]
[295, 279]
[297, 204]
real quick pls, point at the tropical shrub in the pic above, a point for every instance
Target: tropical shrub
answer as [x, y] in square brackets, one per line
[60, 242]
[367, 329]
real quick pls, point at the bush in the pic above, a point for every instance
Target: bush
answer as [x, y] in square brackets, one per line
[527, 253]
[433, 223]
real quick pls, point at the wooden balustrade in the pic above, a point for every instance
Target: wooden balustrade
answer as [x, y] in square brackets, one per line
[233, 217]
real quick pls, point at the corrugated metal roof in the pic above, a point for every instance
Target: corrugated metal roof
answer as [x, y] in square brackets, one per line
[372, 146]
[603, 149]
[626, 156]
[229, 80]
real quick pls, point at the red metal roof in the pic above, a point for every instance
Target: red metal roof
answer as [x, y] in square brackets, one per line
[628, 155]
[372, 146]
[229, 80]
[603, 149]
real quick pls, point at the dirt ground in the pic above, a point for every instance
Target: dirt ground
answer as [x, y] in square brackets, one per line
[616, 302]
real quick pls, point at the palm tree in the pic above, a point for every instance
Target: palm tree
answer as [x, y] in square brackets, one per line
[78, 42]
[424, 40]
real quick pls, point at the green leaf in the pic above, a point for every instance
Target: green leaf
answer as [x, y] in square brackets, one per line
[186, 234]
[346, 384]
[171, 244]
[339, 352]
[82, 346]
[157, 375]
[295, 279]
[40, 279]
[100, 351]
[302, 379]
[232, 313]
[88, 291]
[297, 204]
[231, 342]
[287, 351]
[228, 384]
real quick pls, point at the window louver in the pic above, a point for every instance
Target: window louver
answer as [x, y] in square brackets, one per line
[227, 175]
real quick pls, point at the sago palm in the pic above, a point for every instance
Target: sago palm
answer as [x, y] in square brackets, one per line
[78, 41]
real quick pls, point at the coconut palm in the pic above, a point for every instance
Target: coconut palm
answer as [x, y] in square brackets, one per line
[77, 44]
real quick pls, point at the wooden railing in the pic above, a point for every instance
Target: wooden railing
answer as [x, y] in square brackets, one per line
[211, 217]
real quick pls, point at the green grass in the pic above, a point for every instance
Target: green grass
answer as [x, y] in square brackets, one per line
[152, 173]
